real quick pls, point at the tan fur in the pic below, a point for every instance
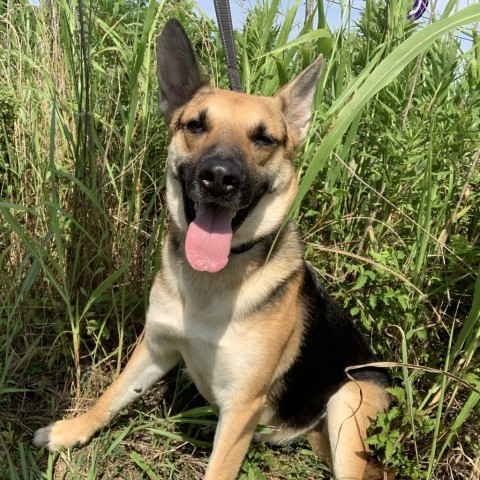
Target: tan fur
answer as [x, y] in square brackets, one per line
[238, 330]
[244, 407]
[349, 414]
[232, 123]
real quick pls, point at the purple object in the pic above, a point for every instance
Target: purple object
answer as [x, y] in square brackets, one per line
[419, 6]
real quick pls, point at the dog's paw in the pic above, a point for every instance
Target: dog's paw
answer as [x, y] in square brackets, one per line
[41, 437]
[64, 433]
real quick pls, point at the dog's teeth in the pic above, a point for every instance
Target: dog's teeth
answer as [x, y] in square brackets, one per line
[195, 206]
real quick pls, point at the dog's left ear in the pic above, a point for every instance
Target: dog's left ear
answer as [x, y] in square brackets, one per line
[179, 72]
[297, 99]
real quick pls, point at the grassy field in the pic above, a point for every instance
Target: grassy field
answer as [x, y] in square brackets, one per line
[389, 205]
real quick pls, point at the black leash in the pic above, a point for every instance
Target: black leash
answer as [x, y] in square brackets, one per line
[225, 27]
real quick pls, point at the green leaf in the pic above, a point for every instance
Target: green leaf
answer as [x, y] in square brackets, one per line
[385, 72]
[307, 37]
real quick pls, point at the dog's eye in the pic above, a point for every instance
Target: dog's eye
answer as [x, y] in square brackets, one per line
[264, 141]
[195, 126]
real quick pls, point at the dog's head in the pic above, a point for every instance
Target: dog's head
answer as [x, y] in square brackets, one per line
[230, 177]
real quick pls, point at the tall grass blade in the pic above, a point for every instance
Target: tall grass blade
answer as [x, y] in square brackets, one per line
[385, 72]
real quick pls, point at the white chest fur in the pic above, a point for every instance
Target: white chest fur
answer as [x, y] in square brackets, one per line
[206, 324]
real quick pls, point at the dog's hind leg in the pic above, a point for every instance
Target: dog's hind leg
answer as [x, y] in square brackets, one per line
[142, 370]
[349, 414]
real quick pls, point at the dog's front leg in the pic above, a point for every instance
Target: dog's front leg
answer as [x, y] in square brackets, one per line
[142, 371]
[235, 430]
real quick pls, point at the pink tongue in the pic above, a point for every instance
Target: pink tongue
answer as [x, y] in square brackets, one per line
[209, 239]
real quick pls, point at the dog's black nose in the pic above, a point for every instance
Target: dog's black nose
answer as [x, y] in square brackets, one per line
[220, 176]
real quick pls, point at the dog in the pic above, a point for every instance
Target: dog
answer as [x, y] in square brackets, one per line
[234, 298]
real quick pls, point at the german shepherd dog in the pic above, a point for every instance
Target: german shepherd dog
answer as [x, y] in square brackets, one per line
[234, 298]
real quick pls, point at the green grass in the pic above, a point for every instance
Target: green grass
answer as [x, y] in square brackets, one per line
[389, 205]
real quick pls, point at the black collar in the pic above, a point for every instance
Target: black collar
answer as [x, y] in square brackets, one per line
[245, 247]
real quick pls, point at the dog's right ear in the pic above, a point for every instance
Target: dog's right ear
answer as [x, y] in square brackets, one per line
[179, 72]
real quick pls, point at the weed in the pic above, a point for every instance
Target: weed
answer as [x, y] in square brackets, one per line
[388, 202]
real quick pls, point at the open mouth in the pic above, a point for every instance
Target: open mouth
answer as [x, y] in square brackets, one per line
[210, 231]
[237, 216]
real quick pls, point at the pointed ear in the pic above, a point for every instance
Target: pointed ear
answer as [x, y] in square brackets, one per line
[179, 72]
[297, 99]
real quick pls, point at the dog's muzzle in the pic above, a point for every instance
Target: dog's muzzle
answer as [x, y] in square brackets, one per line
[218, 195]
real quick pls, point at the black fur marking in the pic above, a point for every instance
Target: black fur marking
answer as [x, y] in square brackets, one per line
[330, 343]
[258, 131]
[266, 241]
[277, 293]
[260, 136]
[188, 205]
[245, 247]
[203, 118]
[245, 212]
[233, 200]
[199, 124]
[244, 201]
